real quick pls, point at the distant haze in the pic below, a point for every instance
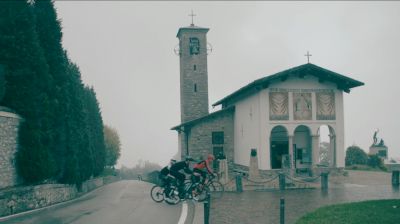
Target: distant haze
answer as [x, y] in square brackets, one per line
[125, 51]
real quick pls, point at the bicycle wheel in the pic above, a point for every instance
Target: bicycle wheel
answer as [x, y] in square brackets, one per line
[172, 198]
[199, 193]
[216, 189]
[157, 193]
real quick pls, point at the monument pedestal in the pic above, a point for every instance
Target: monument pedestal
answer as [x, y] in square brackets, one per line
[395, 169]
[223, 169]
[254, 173]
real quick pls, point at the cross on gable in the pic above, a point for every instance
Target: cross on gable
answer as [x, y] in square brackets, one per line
[192, 15]
[308, 56]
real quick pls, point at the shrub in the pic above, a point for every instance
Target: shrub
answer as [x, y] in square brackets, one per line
[374, 161]
[355, 155]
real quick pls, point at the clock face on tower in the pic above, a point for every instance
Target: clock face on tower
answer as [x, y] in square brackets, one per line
[194, 46]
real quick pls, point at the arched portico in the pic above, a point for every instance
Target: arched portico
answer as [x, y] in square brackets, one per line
[302, 147]
[279, 146]
[327, 146]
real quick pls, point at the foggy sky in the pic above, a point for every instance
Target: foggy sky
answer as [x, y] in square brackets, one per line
[125, 51]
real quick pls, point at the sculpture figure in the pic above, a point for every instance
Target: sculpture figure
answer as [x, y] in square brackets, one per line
[375, 138]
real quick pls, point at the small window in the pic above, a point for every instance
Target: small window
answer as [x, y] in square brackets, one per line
[195, 87]
[218, 137]
[194, 67]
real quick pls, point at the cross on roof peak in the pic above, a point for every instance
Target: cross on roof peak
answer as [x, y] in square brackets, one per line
[192, 15]
[308, 56]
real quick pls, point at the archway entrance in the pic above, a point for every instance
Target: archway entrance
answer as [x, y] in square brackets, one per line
[279, 145]
[327, 146]
[302, 147]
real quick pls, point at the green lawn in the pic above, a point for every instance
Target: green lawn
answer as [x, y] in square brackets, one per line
[367, 212]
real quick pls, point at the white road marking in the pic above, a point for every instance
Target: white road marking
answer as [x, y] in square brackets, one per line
[184, 212]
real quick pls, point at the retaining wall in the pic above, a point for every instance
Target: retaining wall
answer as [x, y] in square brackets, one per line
[20, 199]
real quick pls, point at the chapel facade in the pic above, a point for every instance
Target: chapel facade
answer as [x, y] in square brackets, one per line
[279, 116]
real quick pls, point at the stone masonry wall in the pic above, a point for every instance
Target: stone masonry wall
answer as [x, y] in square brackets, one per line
[9, 123]
[200, 137]
[20, 199]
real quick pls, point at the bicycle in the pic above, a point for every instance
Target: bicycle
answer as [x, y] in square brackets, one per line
[166, 191]
[215, 187]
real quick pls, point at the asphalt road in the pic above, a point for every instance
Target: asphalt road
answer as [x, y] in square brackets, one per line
[121, 202]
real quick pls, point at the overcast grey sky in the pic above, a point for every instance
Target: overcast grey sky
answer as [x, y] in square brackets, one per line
[125, 50]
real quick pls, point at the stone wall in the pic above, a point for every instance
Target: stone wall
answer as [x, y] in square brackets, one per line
[92, 184]
[20, 199]
[9, 123]
[200, 137]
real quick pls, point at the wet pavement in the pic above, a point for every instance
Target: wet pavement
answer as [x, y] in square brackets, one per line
[253, 207]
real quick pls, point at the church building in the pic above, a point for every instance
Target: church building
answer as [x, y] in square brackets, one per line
[278, 117]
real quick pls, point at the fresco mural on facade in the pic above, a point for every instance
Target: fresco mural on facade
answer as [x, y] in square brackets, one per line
[278, 104]
[302, 106]
[325, 106]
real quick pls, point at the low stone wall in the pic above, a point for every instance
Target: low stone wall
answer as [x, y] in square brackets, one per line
[20, 199]
[92, 184]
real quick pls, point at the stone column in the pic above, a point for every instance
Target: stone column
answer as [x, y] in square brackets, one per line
[395, 178]
[315, 150]
[253, 169]
[291, 152]
[332, 150]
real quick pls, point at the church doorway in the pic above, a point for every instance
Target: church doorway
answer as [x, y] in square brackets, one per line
[302, 147]
[279, 145]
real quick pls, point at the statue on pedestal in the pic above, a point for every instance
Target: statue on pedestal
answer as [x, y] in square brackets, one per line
[375, 138]
[378, 147]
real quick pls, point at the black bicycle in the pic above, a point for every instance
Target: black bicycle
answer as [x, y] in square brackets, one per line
[166, 191]
[213, 185]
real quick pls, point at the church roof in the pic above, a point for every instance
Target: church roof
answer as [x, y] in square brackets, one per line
[343, 83]
[208, 116]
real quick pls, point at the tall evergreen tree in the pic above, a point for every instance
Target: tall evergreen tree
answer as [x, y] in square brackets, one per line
[27, 89]
[95, 128]
[62, 135]
[78, 160]
[50, 38]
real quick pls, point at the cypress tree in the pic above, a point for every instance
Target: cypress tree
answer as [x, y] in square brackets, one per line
[95, 128]
[27, 88]
[50, 38]
[62, 136]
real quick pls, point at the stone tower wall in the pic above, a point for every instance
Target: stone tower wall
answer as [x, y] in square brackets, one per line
[200, 137]
[193, 71]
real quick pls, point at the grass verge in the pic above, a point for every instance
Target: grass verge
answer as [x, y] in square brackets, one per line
[367, 212]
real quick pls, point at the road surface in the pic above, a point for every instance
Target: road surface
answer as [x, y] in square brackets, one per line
[123, 202]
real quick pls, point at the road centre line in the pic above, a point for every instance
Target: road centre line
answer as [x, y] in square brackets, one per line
[184, 212]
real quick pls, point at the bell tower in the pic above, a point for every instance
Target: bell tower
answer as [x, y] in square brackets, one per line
[193, 72]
